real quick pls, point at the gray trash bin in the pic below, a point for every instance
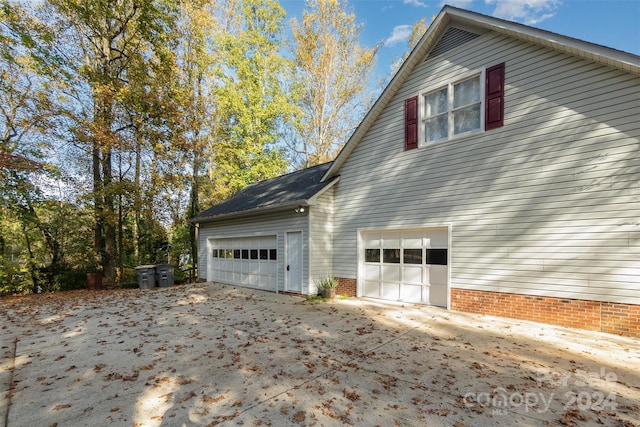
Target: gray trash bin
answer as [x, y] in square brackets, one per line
[164, 275]
[146, 275]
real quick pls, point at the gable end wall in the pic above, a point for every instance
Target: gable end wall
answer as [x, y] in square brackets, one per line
[546, 205]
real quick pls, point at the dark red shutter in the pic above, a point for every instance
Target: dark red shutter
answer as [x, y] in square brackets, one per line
[494, 101]
[411, 123]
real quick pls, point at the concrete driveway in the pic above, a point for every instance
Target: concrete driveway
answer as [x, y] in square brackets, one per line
[209, 354]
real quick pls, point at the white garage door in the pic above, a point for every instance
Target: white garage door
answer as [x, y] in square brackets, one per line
[406, 265]
[251, 262]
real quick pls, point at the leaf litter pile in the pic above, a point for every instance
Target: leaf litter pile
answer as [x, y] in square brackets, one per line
[211, 354]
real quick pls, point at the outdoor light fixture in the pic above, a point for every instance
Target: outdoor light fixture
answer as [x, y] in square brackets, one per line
[300, 209]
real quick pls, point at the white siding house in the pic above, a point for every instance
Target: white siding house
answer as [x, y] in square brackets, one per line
[261, 237]
[497, 173]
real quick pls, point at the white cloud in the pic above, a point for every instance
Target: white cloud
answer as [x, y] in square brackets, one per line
[415, 3]
[529, 12]
[464, 4]
[399, 34]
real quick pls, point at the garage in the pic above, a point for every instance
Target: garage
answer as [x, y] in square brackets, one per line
[250, 262]
[405, 265]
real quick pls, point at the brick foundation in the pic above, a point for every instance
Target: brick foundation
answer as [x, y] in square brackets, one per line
[346, 287]
[613, 318]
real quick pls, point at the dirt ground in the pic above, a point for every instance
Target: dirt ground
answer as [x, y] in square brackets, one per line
[209, 354]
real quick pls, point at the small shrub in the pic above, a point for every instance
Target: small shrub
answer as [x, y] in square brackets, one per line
[328, 282]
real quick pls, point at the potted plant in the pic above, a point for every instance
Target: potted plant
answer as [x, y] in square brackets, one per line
[328, 287]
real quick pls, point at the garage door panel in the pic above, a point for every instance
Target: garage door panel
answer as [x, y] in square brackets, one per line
[371, 272]
[439, 238]
[238, 261]
[438, 295]
[412, 275]
[268, 268]
[254, 267]
[413, 238]
[371, 289]
[411, 293]
[391, 291]
[372, 240]
[438, 275]
[391, 239]
[404, 265]
[390, 273]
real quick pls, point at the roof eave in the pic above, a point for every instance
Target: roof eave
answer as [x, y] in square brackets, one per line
[597, 53]
[314, 199]
[251, 212]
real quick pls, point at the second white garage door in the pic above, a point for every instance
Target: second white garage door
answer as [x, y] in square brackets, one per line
[405, 265]
[251, 261]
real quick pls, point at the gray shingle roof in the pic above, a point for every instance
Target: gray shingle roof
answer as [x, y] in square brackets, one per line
[290, 189]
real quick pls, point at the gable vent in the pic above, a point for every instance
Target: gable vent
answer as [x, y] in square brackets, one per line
[451, 39]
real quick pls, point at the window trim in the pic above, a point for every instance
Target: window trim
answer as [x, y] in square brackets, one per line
[449, 85]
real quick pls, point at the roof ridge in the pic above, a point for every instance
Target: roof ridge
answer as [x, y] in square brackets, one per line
[289, 174]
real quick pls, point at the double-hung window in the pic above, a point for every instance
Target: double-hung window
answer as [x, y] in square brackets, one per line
[452, 110]
[469, 105]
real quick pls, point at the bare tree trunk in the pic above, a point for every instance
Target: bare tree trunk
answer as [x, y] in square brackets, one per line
[194, 207]
[136, 202]
[32, 264]
[120, 238]
[98, 243]
[110, 220]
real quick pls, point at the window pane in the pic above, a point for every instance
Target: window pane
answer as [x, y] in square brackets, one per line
[437, 128]
[391, 256]
[437, 256]
[435, 103]
[466, 92]
[273, 254]
[372, 255]
[254, 254]
[466, 119]
[264, 254]
[245, 254]
[215, 253]
[228, 253]
[236, 253]
[413, 256]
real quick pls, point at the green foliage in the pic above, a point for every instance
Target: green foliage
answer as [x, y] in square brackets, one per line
[252, 103]
[328, 282]
[44, 248]
[70, 279]
[14, 278]
[135, 114]
[332, 73]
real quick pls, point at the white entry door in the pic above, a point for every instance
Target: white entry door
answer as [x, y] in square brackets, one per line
[293, 268]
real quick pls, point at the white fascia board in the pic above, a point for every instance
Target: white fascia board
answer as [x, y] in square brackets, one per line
[314, 199]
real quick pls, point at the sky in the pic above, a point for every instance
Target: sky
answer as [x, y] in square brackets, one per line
[612, 23]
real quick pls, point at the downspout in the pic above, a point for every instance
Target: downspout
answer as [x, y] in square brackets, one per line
[196, 261]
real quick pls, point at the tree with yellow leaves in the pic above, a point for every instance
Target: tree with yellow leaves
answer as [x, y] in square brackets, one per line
[332, 74]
